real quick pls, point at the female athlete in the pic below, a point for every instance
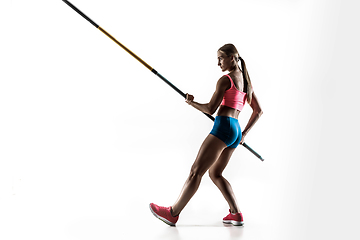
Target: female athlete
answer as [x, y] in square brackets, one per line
[232, 91]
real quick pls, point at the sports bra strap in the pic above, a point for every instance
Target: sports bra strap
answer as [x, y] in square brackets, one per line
[231, 81]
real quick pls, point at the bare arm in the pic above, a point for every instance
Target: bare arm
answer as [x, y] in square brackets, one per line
[216, 99]
[257, 112]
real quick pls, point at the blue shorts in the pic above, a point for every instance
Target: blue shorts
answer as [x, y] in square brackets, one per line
[228, 130]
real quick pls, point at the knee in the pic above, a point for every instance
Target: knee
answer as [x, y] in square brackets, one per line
[195, 172]
[214, 175]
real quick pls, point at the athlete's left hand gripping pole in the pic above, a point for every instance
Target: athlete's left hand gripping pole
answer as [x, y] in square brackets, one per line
[146, 65]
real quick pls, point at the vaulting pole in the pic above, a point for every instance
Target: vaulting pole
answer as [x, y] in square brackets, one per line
[146, 65]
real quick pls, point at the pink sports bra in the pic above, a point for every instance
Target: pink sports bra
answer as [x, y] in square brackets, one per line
[234, 98]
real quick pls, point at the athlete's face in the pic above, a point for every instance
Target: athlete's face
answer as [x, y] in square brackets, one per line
[224, 62]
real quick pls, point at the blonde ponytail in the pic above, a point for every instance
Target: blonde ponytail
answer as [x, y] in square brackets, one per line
[247, 83]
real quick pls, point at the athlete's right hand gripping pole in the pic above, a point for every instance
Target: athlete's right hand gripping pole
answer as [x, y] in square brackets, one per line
[146, 65]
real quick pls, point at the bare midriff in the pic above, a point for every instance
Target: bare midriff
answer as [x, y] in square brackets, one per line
[228, 111]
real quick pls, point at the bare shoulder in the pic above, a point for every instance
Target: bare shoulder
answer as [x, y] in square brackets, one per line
[223, 82]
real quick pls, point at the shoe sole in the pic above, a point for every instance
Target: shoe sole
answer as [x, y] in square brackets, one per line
[161, 218]
[235, 223]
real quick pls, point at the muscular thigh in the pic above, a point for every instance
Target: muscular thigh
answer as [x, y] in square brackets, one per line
[209, 152]
[219, 165]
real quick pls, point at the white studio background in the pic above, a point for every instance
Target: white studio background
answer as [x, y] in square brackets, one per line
[89, 137]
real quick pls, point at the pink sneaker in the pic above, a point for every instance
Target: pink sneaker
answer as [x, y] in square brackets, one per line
[163, 213]
[235, 219]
